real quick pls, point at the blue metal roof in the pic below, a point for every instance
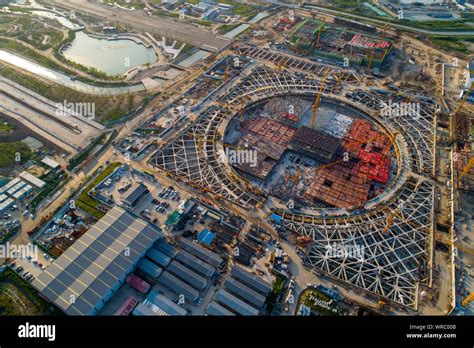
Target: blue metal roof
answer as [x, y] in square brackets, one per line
[206, 236]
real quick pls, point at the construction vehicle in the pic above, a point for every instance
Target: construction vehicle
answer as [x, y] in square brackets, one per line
[468, 300]
[321, 89]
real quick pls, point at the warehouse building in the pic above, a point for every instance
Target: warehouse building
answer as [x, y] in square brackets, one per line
[216, 309]
[165, 248]
[204, 254]
[196, 264]
[165, 304]
[33, 180]
[136, 194]
[149, 269]
[192, 278]
[147, 309]
[95, 266]
[251, 280]
[158, 257]
[233, 303]
[179, 287]
[9, 185]
[245, 293]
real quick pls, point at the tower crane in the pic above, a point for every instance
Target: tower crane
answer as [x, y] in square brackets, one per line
[372, 52]
[466, 168]
[321, 89]
[468, 300]
[459, 108]
[319, 36]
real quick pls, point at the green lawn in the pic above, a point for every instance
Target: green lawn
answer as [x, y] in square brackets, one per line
[89, 204]
[452, 44]
[5, 126]
[24, 294]
[9, 151]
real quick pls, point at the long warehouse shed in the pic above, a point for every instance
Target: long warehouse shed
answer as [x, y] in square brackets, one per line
[216, 309]
[237, 305]
[178, 287]
[189, 276]
[247, 294]
[196, 264]
[206, 255]
[158, 257]
[251, 280]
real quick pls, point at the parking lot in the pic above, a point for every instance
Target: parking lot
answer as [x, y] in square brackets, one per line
[29, 267]
[154, 206]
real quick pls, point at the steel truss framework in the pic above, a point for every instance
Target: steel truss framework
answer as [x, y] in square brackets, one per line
[390, 265]
[314, 68]
[418, 130]
[192, 156]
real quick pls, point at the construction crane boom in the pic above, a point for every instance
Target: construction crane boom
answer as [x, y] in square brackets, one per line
[468, 300]
[321, 89]
[466, 168]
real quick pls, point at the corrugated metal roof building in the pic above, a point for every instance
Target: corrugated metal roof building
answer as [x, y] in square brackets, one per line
[178, 287]
[147, 308]
[237, 305]
[188, 275]
[136, 193]
[196, 264]
[206, 255]
[150, 269]
[165, 304]
[245, 293]
[158, 257]
[251, 280]
[217, 310]
[165, 248]
[95, 266]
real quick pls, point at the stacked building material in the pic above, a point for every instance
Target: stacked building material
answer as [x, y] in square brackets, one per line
[373, 166]
[361, 136]
[338, 187]
[270, 129]
[315, 144]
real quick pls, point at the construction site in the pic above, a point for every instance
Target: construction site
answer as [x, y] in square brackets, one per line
[334, 158]
[356, 178]
[341, 41]
[314, 165]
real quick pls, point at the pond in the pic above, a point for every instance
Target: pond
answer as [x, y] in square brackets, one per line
[110, 56]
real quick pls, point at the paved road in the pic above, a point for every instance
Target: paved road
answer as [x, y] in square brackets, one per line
[174, 29]
[380, 21]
